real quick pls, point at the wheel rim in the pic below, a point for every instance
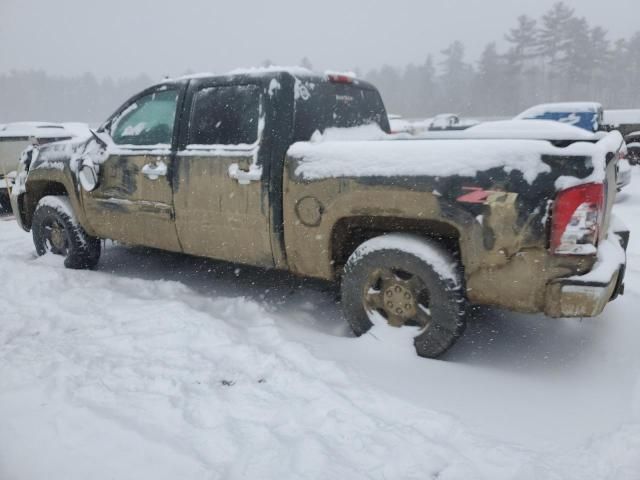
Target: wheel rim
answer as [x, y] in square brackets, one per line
[55, 237]
[401, 297]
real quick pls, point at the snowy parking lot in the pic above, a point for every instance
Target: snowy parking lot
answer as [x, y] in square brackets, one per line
[162, 366]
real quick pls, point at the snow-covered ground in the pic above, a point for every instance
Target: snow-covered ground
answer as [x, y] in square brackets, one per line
[161, 366]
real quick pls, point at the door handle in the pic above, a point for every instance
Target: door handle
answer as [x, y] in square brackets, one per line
[155, 170]
[244, 177]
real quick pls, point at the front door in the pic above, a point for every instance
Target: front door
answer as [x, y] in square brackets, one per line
[134, 200]
[220, 201]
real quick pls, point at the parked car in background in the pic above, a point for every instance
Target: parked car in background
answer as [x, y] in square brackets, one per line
[626, 121]
[633, 147]
[587, 115]
[15, 137]
[445, 122]
[450, 121]
[399, 124]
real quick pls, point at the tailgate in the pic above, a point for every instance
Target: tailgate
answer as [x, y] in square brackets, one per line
[611, 188]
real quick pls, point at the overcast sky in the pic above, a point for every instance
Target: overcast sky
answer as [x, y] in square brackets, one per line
[162, 37]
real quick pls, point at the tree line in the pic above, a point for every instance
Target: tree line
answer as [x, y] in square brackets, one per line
[35, 95]
[557, 57]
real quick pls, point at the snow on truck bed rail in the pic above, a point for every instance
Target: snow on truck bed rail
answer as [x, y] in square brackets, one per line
[368, 151]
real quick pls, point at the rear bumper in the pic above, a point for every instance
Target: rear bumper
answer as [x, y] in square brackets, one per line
[586, 295]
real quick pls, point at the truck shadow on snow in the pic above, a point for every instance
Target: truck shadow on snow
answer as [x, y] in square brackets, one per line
[493, 337]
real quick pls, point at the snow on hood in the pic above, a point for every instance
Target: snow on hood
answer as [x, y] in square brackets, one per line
[34, 129]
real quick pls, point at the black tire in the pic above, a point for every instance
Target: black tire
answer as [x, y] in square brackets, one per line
[56, 230]
[438, 298]
[5, 204]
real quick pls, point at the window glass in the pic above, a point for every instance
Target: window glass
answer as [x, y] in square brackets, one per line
[225, 115]
[147, 121]
[337, 105]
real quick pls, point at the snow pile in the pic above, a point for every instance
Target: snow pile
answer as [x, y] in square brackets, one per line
[155, 369]
[209, 386]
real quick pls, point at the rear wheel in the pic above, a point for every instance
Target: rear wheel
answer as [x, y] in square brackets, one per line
[404, 281]
[56, 230]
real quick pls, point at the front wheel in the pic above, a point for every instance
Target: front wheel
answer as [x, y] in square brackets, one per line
[5, 204]
[56, 230]
[405, 281]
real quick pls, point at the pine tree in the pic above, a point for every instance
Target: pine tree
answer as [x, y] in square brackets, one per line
[576, 66]
[488, 92]
[456, 78]
[552, 42]
[523, 40]
[552, 37]
[633, 69]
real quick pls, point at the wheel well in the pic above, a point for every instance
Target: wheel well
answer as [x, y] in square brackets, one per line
[36, 191]
[351, 232]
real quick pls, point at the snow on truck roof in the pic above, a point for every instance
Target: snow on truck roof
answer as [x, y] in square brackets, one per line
[256, 71]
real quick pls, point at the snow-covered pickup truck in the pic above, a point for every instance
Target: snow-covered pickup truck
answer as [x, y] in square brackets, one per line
[295, 171]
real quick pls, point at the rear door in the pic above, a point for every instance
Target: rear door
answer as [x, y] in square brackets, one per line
[134, 200]
[220, 194]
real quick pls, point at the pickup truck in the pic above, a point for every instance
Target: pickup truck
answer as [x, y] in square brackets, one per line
[292, 170]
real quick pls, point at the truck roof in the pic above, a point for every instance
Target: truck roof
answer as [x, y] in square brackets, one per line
[268, 73]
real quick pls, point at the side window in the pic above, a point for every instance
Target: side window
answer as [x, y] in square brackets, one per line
[147, 121]
[225, 115]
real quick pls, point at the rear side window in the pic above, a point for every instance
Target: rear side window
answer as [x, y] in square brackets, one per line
[226, 115]
[326, 105]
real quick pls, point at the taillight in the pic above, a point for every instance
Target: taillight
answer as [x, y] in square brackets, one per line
[576, 220]
[339, 78]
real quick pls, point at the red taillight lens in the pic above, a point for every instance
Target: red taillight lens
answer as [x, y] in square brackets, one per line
[339, 78]
[576, 218]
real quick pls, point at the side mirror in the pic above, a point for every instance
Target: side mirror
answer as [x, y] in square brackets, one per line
[88, 173]
[102, 137]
